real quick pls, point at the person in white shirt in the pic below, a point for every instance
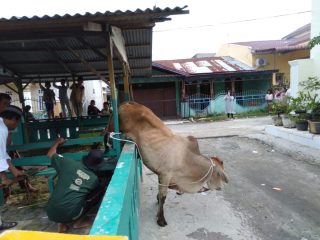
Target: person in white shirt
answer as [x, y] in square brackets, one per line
[9, 120]
[63, 96]
[229, 104]
[269, 99]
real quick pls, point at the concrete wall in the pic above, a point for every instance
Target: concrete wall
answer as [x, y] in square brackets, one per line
[280, 61]
[302, 69]
[94, 90]
[315, 28]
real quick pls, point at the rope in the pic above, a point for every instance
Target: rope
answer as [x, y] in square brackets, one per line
[209, 172]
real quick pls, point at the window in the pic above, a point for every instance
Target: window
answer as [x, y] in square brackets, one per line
[40, 101]
[27, 99]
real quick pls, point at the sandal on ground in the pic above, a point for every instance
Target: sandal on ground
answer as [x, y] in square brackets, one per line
[7, 225]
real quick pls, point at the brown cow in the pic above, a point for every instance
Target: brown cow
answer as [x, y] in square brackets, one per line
[175, 159]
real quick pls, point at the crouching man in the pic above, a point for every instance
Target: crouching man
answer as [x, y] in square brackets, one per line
[77, 189]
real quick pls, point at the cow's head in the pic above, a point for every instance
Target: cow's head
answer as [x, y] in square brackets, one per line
[218, 176]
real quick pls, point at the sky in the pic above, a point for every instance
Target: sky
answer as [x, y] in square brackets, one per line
[209, 24]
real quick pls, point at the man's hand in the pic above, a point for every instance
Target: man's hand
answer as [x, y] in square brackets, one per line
[6, 182]
[54, 147]
[19, 174]
[60, 140]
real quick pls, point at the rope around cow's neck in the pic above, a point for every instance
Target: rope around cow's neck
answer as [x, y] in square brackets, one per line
[208, 173]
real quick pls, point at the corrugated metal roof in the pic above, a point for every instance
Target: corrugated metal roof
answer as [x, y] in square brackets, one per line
[127, 13]
[297, 40]
[36, 47]
[193, 66]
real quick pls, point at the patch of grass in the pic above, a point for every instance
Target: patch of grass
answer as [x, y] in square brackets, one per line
[20, 197]
[221, 117]
[258, 113]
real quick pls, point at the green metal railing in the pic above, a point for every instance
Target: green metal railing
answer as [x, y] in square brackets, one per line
[119, 210]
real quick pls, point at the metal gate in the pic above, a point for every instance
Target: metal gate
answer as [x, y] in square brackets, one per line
[201, 105]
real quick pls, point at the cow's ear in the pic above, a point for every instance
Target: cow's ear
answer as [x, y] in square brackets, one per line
[225, 178]
[222, 175]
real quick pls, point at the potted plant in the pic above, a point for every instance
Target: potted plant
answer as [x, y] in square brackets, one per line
[299, 113]
[314, 122]
[286, 120]
[301, 120]
[311, 86]
[277, 108]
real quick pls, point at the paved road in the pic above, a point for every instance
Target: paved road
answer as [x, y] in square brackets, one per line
[274, 190]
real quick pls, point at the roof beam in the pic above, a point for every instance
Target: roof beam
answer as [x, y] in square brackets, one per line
[92, 27]
[7, 79]
[3, 63]
[58, 59]
[83, 61]
[71, 61]
[87, 45]
[11, 88]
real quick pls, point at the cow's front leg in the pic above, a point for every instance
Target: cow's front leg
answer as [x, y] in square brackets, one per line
[161, 199]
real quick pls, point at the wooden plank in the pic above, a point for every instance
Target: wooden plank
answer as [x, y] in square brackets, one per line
[48, 144]
[44, 160]
[119, 43]
[92, 27]
[126, 83]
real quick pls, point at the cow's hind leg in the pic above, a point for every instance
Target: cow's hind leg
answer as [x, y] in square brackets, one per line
[161, 200]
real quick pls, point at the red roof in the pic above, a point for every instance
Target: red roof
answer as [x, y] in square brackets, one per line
[203, 65]
[296, 40]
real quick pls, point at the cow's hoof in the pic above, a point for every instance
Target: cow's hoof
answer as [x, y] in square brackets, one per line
[162, 222]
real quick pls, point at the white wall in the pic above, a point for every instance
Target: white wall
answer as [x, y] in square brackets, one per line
[301, 69]
[94, 91]
[315, 28]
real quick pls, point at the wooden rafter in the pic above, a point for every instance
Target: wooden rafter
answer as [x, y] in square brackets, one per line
[96, 51]
[58, 59]
[83, 61]
[11, 88]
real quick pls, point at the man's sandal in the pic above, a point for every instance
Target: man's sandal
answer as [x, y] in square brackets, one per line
[7, 225]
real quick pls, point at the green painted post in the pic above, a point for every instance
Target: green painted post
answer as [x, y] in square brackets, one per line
[178, 98]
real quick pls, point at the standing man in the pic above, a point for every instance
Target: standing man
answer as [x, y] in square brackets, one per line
[48, 98]
[5, 100]
[9, 120]
[63, 96]
[77, 96]
[77, 190]
[229, 104]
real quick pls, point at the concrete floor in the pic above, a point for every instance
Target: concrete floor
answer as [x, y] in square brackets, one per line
[273, 192]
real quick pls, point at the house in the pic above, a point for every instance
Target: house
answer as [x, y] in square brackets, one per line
[271, 54]
[195, 82]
